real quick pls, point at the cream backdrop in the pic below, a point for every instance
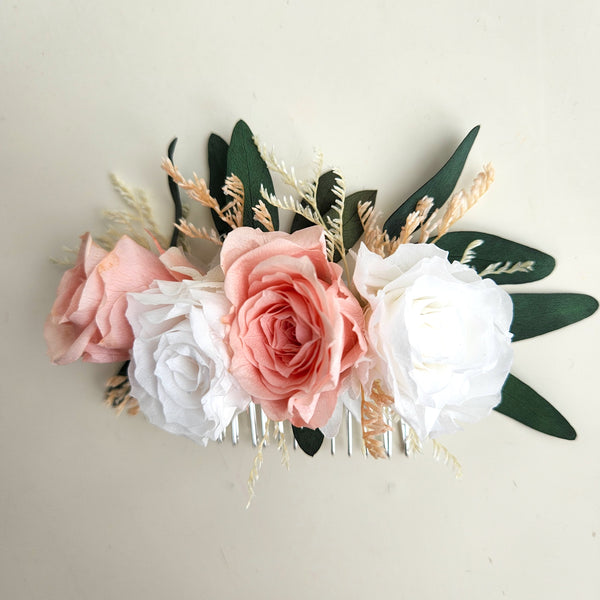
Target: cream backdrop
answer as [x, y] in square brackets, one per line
[94, 506]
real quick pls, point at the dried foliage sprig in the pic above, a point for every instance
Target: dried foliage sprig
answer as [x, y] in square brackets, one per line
[464, 200]
[234, 188]
[415, 219]
[282, 445]
[373, 409]
[307, 189]
[257, 464]
[136, 221]
[374, 237]
[508, 268]
[306, 206]
[469, 254]
[191, 231]
[442, 454]
[117, 393]
[198, 191]
[412, 443]
[263, 216]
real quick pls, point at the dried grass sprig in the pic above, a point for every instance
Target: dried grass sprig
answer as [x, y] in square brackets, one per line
[374, 238]
[306, 205]
[282, 445]
[464, 200]
[415, 219]
[306, 189]
[136, 221]
[412, 443]
[508, 268]
[191, 231]
[234, 188]
[198, 191]
[117, 394]
[442, 454]
[469, 254]
[68, 260]
[373, 418]
[263, 216]
[257, 464]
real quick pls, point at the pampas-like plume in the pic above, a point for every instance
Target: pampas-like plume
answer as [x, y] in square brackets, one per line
[136, 221]
[442, 454]
[306, 205]
[234, 188]
[197, 190]
[374, 238]
[257, 464]
[117, 394]
[372, 416]
[282, 445]
[412, 443]
[415, 219]
[469, 254]
[508, 268]
[191, 231]
[464, 200]
[263, 216]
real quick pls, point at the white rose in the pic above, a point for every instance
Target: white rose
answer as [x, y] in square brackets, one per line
[179, 369]
[439, 334]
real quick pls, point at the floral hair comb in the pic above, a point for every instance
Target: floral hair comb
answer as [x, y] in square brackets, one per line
[413, 327]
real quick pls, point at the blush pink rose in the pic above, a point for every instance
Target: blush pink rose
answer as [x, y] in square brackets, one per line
[296, 329]
[88, 317]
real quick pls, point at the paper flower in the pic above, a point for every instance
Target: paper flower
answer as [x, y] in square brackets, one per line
[279, 324]
[88, 317]
[296, 329]
[441, 335]
[179, 371]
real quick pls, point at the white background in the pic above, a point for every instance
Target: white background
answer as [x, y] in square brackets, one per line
[92, 506]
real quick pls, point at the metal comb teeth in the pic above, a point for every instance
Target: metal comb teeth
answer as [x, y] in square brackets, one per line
[257, 424]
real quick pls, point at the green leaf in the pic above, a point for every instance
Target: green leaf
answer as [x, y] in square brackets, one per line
[217, 167]
[309, 440]
[535, 314]
[439, 187]
[244, 161]
[497, 250]
[175, 196]
[352, 227]
[522, 403]
[325, 199]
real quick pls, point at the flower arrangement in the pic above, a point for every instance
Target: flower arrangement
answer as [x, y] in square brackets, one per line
[412, 327]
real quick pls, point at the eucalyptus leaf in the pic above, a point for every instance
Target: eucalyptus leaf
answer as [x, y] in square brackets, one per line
[439, 187]
[244, 161]
[174, 189]
[497, 250]
[310, 440]
[522, 403]
[535, 314]
[325, 199]
[217, 167]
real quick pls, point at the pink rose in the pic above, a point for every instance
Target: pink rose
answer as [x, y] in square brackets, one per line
[296, 329]
[88, 316]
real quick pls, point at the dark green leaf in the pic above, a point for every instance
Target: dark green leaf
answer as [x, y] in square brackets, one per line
[352, 227]
[309, 440]
[497, 250]
[535, 314]
[525, 405]
[439, 187]
[174, 189]
[244, 161]
[325, 199]
[217, 167]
